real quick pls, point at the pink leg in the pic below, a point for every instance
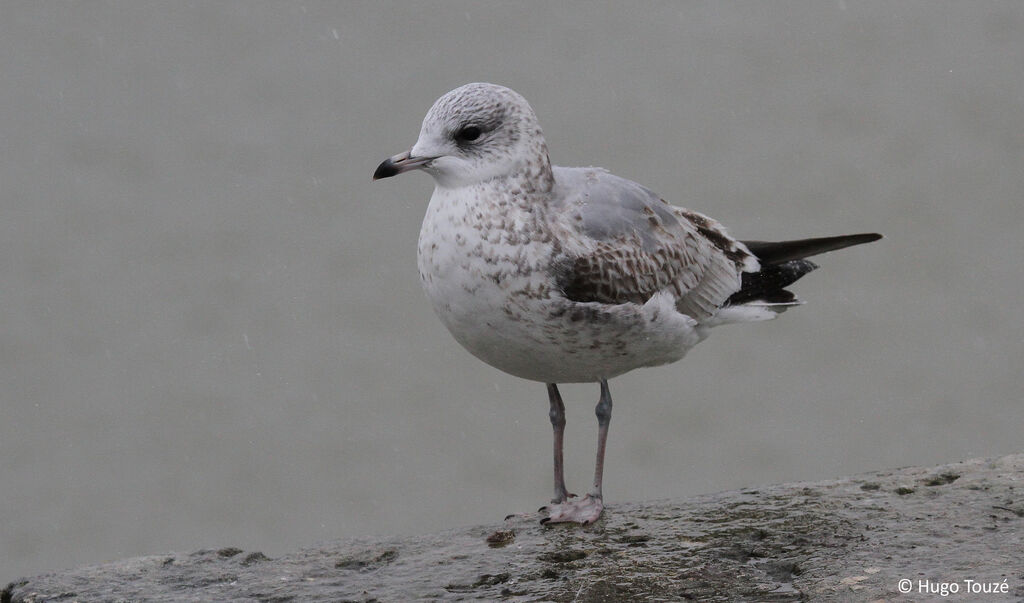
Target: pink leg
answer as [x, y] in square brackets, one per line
[587, 509]
[557, 415]
[604, 417]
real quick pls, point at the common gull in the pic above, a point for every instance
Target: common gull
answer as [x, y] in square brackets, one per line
[570, 275]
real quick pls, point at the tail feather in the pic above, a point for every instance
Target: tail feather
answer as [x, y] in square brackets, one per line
[783, 263]
[769, 284]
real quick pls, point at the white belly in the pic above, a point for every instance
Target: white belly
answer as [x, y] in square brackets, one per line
[486, 277]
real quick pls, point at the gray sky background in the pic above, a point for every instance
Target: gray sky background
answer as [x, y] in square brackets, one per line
[211, 328]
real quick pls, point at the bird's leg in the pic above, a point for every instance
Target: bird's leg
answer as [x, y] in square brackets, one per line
[587, 509]
[557, 415]
[604, 417]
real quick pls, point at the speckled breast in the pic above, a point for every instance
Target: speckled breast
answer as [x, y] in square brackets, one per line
[484, 265]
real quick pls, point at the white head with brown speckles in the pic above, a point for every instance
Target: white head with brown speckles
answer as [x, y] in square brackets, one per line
[475, 133]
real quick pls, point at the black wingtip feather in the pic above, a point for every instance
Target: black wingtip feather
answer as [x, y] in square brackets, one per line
[784, 251]
[783, 263]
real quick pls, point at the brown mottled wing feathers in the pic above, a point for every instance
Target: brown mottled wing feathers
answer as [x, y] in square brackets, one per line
[634, 245]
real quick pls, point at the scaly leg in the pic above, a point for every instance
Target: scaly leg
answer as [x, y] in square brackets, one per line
[587, 509]
[604, 417]
[557, 415]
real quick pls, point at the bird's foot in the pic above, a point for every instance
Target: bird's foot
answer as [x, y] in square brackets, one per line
[584, 511]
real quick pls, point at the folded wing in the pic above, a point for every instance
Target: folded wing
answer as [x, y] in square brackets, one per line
[621, 243]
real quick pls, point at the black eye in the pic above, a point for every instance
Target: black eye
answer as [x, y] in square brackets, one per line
[468, 134]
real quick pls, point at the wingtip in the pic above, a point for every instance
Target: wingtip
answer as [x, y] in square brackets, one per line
[861, 238]
[783, 251]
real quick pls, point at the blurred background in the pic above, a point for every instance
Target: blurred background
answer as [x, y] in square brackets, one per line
[211, 326]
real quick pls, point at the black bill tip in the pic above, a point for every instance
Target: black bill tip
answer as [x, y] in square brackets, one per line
[386, 169]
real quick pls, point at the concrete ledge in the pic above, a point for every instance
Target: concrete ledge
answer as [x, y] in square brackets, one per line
[951, 527]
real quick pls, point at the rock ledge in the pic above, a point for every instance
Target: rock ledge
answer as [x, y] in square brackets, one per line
[854, 538]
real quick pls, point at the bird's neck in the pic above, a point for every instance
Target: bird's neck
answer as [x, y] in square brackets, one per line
[531, 176]
[539, 172]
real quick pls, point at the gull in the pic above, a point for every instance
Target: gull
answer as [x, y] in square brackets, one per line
[574, 275]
